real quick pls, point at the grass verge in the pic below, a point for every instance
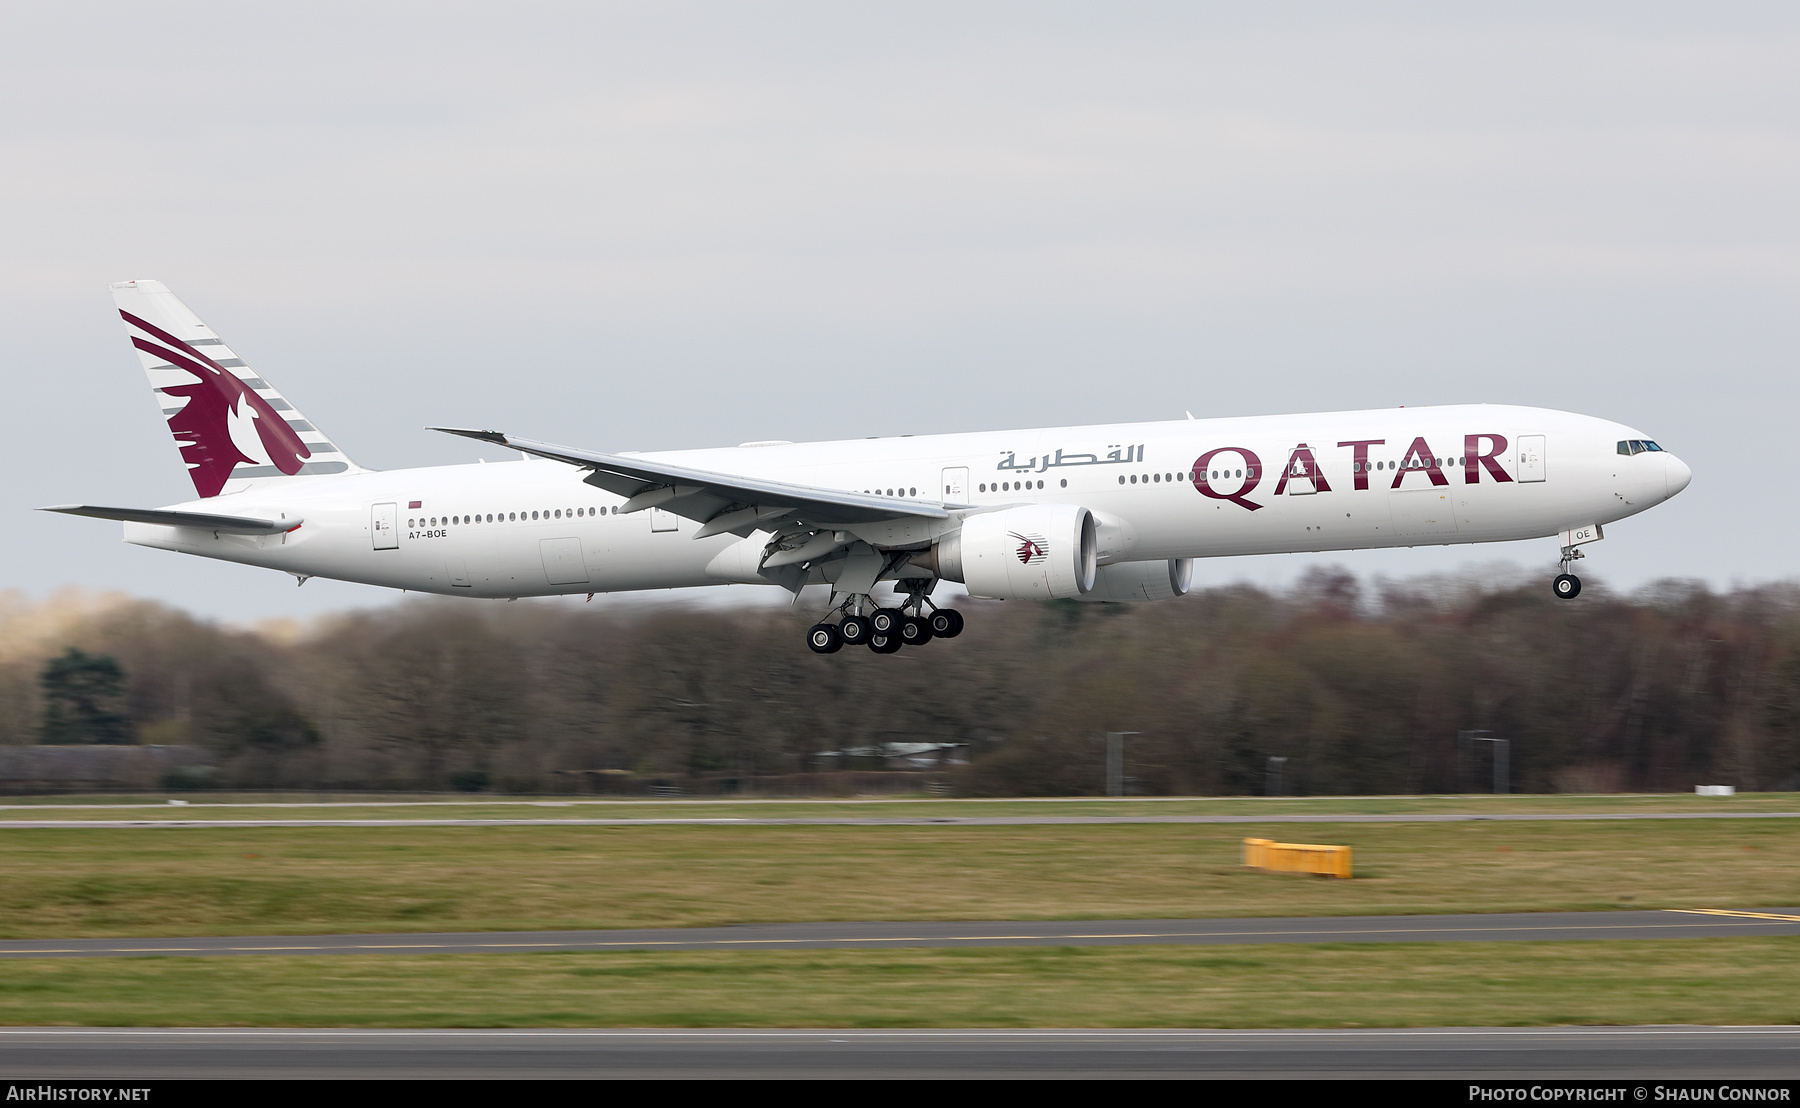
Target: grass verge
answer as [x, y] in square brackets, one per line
[216, 881]
[200, 806]
[1712, 981]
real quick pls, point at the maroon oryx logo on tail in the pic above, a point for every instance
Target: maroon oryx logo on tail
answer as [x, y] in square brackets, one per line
[1032, 548]
[215, 401]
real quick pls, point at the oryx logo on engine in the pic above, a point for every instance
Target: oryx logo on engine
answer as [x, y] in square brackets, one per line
[1033, 549]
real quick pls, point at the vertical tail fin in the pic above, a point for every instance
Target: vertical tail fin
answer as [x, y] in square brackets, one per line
[231, 426]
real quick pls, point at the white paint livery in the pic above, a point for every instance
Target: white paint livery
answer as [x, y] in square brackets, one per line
[1112, 512]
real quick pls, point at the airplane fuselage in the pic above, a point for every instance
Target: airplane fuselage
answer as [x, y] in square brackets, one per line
[1167, 490]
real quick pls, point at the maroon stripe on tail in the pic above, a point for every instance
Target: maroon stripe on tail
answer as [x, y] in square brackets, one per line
[153, 329]
[202, 425]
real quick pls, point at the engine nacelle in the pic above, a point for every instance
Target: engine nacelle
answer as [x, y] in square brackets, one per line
[1123, 582]
[1039, 552]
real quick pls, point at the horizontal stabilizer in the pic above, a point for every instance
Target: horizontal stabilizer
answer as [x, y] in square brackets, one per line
[199, 521]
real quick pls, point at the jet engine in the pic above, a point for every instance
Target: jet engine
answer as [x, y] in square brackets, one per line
[1128, 581]
[1038, 552]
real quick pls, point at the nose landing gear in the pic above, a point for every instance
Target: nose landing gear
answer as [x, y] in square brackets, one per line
[1567, 586]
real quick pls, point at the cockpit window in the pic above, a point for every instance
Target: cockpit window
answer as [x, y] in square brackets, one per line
[1648, 445]
[1637, 446]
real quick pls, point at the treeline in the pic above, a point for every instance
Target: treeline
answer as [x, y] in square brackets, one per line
[1361, 693]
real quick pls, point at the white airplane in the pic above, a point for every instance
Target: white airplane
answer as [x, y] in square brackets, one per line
[1114, 512]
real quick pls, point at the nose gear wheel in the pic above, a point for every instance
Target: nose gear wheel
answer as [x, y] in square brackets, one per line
[1567, 586]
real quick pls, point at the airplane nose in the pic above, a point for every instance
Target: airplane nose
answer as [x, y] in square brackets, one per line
[1676, 474]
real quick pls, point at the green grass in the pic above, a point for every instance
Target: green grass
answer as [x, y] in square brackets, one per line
[1714, 981]
[201, 806]
[101, 882]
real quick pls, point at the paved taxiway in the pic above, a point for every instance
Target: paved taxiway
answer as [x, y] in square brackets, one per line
[1631, 1054]
[870, 821]
[1518, 926]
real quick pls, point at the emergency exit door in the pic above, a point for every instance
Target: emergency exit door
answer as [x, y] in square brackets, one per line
[1531, 457]
[956, 485]
[381, 527]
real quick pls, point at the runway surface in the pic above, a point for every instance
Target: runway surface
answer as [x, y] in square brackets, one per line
[1629, 1054]
[869, 821]
[1519, 926]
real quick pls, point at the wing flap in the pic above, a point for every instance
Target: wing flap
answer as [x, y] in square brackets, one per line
[703, 495]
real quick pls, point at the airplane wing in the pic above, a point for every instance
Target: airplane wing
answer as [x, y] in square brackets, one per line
[199, 521]
[720, 502]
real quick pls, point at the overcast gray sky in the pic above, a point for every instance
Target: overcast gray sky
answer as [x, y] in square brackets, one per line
[663, 225]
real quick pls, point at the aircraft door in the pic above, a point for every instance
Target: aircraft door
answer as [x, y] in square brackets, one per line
[382, 531]
[956, 485]
[1531, 458]
[1298, 477]
[563, 564]
[663, 521]
[1422, 512]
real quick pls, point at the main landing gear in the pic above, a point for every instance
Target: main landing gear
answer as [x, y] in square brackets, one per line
[886, 630]
[1567, 586]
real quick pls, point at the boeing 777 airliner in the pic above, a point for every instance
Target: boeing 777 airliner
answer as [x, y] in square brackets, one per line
[1114, 512]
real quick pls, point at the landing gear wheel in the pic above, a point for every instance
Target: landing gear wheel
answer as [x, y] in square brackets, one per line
[946, 623]
[824, 639]
[854, 630]
[886, 621]
[1567, 586]
[885, 644]
[915, 631]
